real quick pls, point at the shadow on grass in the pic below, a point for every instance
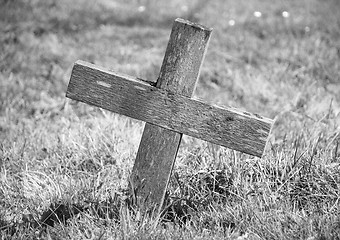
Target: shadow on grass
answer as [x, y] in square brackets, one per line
[179, 211]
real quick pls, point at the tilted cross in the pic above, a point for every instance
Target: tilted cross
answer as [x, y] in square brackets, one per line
[168, 110]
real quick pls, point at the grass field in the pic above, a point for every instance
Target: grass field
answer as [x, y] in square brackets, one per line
[278, 59]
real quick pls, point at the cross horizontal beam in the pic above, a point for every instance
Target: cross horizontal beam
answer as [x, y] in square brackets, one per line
[126, 95]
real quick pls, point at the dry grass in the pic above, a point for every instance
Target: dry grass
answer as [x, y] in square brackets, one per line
[65, 165]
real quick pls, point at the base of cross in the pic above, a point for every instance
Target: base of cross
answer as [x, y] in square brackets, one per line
[169, 111]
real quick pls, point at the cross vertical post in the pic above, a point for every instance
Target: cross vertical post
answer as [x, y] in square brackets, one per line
[159, 146]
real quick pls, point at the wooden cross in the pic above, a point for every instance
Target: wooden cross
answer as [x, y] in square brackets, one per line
[168, 110]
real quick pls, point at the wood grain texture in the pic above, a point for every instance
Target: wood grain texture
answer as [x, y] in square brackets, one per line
[183, 57]
[131, 97]
[158, 148]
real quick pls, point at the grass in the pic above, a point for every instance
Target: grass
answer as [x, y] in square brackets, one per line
[65, 165]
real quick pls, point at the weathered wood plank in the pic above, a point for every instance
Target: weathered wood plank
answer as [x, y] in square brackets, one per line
[158, 148]
[129, 96]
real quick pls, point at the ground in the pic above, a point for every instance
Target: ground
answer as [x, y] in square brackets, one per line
[278, 59]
